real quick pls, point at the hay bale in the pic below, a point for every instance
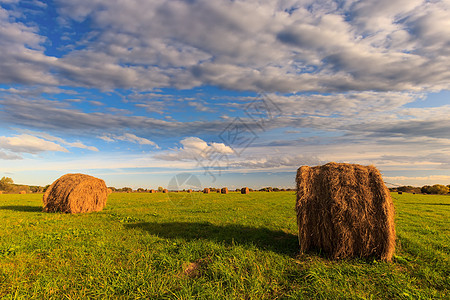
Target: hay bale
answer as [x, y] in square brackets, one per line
[345, 210]
[218, 191]
[152, 191]
[189, 191]
[76, 193]
[165, 191]
[206, 191]
[1, 192]
[224, 190]
[245, 190]
[22, 192]
[110, 191]
[400, 193]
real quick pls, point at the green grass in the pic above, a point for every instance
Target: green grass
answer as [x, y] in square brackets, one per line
[245, 247]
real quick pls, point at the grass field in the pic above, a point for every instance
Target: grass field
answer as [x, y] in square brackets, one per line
[211, 246]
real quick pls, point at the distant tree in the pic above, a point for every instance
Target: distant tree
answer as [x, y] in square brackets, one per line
[46, 188]
[425, 189]
[438, 189]
[6, 184]
[36, 189]
[408, 189]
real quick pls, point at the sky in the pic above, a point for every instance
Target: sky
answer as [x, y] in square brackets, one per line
[233, 93]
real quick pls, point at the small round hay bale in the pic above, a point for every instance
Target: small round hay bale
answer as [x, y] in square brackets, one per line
[22, 192]
[165, 191]
[245, 190]
[206, 191]
[189, 191]
[152, 191]
[345, 210]
[217, 191]
[76, 193]
[224, 190]
[110, 191]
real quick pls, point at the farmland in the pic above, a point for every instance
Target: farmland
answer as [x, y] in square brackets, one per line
[215, 246]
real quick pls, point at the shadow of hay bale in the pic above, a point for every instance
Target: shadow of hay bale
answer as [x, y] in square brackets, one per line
[24, 208]
[262, 238]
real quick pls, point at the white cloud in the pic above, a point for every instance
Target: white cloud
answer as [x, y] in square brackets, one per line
[51, 138]
[279, 46]
[26, 143]
[195, 148]
[128, 137]
[276, 161]
[9, 156]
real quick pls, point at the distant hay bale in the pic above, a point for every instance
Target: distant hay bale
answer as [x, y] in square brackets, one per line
[1, 192]
[224, 190]
[206, 190]
[22, 192]
[245, 190]
[110, 191]
[76, 193]
[400, 193]
[345, 210]
[189, 191]
[152, 191]
[165, 191]
[218, 191]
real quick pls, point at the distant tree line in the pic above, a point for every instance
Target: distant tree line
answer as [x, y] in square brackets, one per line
[437, 189]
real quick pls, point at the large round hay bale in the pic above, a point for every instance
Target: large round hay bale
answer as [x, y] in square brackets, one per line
[245, 190]
[206, 190]
[165, 191]
[345, 210]
[76, 193]
[224, 190]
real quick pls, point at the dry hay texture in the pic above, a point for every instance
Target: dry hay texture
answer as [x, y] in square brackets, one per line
[165, 191]
[152, 191]
[76, 193]
[22, 192]
[206, 190]
[1, 192]
[345, 210]
[245, 190]
[224, 190]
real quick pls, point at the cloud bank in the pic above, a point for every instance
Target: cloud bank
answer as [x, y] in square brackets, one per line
[277, 46]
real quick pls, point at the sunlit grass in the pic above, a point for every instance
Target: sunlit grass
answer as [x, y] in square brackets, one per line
[245, 247]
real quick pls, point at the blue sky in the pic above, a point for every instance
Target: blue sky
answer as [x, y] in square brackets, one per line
[238, 93]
